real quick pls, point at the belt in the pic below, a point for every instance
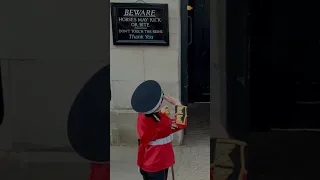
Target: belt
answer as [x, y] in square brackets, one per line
[162, 141]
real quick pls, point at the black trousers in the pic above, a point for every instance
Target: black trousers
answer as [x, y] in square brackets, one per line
[160, 175]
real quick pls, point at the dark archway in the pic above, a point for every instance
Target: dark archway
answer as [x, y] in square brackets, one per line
[89, 118]
[1, 99]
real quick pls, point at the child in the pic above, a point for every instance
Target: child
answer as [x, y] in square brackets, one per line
[155, 129]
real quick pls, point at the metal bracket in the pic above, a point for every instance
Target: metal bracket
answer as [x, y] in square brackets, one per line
[140, 1]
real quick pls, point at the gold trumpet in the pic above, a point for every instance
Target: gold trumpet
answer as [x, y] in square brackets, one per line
[166, 111]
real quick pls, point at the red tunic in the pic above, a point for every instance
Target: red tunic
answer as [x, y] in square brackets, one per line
[153, 158]
[100, 172]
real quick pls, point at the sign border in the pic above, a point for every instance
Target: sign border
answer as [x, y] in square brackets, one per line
[165, 20]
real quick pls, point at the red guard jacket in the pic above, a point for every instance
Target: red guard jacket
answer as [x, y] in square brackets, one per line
[153, 158]
[100, 172]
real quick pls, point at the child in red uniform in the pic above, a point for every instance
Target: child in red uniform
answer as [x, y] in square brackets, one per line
[155, 130]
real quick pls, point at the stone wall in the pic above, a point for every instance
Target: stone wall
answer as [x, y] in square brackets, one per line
[131, 65]
[37, 97]
[47, 53]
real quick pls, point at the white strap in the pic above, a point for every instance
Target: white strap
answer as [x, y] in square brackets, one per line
[162, 141]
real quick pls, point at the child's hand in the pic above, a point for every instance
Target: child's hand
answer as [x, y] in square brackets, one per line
[172, 100]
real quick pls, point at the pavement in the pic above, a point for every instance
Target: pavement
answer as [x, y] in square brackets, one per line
[192, 163]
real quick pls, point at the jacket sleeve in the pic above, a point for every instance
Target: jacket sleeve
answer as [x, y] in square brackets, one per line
[164, 127]
[165, 124]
